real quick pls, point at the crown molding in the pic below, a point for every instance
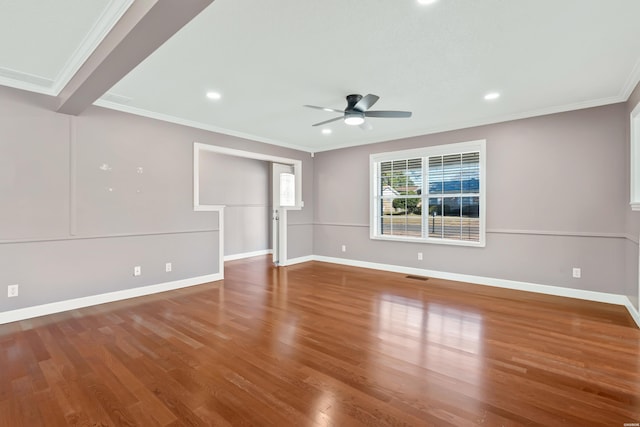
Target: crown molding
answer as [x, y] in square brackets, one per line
[101, 27]
[48, 86]
[25, 81]
[484, 122]
[193, 124]
[632, 82]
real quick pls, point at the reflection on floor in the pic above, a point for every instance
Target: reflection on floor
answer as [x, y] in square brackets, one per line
[319, 344]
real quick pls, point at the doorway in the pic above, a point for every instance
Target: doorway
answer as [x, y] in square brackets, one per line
[288, 182]
[282, 197]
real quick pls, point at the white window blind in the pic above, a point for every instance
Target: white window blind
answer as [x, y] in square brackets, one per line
[454, 204]
[435, 194]
[400, 207]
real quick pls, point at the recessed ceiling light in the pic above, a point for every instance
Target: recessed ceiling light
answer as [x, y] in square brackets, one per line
[214, 95]
[327, 131]
[427, 1]
[492, 95]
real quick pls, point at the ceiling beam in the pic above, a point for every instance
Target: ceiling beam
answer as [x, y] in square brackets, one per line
[144, 27]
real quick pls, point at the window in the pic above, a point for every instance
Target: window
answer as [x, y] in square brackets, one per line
[287, 189]
[432, 194]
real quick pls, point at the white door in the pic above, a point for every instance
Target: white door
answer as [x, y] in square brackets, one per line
[282, 196]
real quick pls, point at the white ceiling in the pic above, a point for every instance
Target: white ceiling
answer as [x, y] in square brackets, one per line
[267, 59]
[43, 43]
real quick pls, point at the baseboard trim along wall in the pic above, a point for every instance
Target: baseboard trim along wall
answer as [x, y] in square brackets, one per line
[234, 257]
[633, 312]
[57, 307]
[76, 303]
[488, 281]
[300, 260]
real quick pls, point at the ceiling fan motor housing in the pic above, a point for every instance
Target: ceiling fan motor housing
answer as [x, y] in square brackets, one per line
[352, 116]
[352, 100]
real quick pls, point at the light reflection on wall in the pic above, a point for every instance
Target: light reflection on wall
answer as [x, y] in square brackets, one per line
[434, 336]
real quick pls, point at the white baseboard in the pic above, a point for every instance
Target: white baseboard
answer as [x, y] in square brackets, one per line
[499, 283]
[633, 312]
[300, 260]
[57, 307]
[247, 255]
[73, 304]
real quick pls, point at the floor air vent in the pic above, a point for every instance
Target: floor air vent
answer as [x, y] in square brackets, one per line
[424, 279]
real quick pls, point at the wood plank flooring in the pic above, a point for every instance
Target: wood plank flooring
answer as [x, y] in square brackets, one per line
[324, 345]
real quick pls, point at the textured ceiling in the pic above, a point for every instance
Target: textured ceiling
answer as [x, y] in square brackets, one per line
[267, 59]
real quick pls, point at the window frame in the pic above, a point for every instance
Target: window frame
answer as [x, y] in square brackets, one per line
[287, 198]
[425, 153]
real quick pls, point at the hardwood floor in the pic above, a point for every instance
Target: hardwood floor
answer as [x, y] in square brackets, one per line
[324, 345]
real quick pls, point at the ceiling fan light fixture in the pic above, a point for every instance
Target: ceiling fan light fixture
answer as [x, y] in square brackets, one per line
[354, 119]
[358, 107]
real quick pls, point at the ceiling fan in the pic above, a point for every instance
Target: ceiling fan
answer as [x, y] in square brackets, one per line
[357, 109]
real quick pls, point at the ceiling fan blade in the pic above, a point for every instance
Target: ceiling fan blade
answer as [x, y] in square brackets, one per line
[328, 121]
[324, 108]
[365, 103]
[366, 126]
[393, 114]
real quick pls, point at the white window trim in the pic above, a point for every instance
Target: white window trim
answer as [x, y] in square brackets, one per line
[634, 175]
[456, 148]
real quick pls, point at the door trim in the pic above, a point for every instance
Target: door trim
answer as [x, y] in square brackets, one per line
[198, 207]
[199, 147]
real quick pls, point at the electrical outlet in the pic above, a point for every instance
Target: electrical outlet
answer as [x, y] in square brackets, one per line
[419, 256]
[137, 270]
[344, 248]
[12, 291]
[168, 267]
[577, 273]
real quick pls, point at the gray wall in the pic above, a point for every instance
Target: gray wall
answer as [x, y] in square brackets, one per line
[247, 210]
[555, 200]
[244, 187]
[72, 227]
[632, 219]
